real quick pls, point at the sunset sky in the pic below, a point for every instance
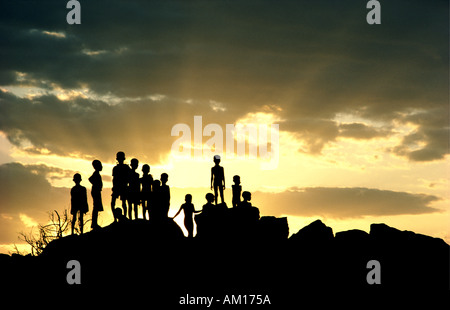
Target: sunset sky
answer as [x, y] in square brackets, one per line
[362, 110]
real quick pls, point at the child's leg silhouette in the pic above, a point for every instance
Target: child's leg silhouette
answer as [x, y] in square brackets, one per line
[124, 207]
[74, 220]
[144, 208]
[135, 211]
[80, 223]
[221, 194]
[215, 193]
[94, 219]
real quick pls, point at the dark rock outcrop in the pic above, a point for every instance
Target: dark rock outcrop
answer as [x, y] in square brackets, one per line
[316, 233]
[155, 259]
[239, 224]
[353, 236]
[122, 237]
[273, 228]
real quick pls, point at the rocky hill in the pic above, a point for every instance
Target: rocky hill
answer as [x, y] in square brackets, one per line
[234, 251]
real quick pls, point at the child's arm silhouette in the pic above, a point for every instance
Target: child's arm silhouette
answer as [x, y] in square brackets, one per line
[212, 177]
[181, 208]
[223, 174]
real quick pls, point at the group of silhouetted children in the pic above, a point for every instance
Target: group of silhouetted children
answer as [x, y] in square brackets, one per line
[153, 195]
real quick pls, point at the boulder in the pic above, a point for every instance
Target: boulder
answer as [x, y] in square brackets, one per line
[116, 237]
[272, 228]
[353, 236]
[316, 233]
[223, 223]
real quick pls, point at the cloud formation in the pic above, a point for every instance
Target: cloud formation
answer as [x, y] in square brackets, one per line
[25, 189]
[95, 129]
[26, 197]
[344, 202]
[361, 131]
[311, 60]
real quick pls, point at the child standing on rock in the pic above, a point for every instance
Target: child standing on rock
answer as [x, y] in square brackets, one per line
[78, 202]
[217, 179]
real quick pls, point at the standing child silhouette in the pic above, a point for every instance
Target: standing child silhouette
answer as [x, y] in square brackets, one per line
[237, 188]
[134, 189]
[96, 192]
[155, 204]
[120, 175]
[146, 190]
[164, 197]
[189, 210]
[217, 179]
[78, 201]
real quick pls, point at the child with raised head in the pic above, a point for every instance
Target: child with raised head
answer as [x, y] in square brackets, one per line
[119, 216]
[78, 202]
[164, 195]
[96, 192]
[247, 196]
[237, 188]
[209, 202]
[189, 210]
[217, 179]
[120, 175]
[134, 189]
[146, 190]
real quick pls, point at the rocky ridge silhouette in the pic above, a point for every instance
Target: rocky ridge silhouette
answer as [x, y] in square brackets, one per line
[234, 250]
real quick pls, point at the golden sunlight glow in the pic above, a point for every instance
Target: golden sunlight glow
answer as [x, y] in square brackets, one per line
[343, 162]
[27, 221]
[60, 35]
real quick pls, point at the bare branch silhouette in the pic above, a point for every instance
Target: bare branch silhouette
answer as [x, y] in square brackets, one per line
[58, 226]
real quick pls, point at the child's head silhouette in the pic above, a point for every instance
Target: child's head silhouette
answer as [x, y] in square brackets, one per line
[164, 178]
[117, 212]
[120, 157]
[237, 179]
[77, 178]
[216, 159]
[209, 197]
[188, 198]
[97, 165]
[145, 169]
[247, 196]
[134, 163]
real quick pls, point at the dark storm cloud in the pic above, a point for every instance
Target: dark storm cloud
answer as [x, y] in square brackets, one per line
[361, 131]
[433, 131]
[24, 189]
[93, 128]
[315, 132]
[344, 202]
[312, 59]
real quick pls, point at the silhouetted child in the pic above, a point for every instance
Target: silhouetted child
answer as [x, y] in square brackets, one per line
[164, 195]
[189, 210]
[217, 179]
[96, 192]
[146, 190]
[120, 175]
[209, 203]
[134, 189]
[119, 216]
[237, 188]
[78, 201]
[155, 204]
[247, 196]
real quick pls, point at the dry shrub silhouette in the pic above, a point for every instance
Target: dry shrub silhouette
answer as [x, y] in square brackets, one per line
[57, 227]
